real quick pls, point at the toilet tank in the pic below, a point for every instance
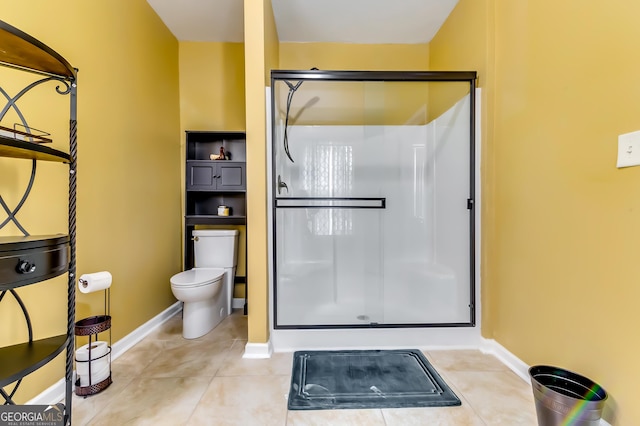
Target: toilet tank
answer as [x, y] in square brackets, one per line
[215, 248]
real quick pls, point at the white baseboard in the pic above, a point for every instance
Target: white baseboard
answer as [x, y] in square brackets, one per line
[490, 346]
[258, 350]
[56, 392]
[237, 303]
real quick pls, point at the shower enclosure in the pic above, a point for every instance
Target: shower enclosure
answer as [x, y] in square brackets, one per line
[372, 199]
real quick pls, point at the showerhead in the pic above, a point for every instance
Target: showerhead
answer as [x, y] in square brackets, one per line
[292, 89]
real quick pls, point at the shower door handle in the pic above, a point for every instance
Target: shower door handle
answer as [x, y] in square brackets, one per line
[332, 202]
[281, 185]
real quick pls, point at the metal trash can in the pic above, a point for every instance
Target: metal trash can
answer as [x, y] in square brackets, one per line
[566, 398]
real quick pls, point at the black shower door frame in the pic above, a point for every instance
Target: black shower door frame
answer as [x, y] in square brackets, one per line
[300, 76]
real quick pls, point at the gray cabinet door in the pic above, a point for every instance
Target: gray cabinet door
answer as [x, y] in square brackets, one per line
[231, 176]
[203, 175]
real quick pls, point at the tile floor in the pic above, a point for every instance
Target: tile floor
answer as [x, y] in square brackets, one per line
[166, 380]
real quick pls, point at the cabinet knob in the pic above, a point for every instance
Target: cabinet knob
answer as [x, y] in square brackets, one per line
[25, 267]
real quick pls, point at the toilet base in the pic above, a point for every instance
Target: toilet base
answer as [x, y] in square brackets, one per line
[199, 318]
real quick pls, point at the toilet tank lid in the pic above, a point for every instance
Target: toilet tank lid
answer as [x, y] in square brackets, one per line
[214, 232]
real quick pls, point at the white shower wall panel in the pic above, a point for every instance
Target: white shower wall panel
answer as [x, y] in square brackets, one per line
[405, 264]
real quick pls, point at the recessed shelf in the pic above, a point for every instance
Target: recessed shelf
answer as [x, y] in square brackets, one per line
[19, 360]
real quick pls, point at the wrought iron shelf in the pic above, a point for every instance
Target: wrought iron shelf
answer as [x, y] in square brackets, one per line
[32, 259]
[20, 50]
[16, 148]
[19, 360]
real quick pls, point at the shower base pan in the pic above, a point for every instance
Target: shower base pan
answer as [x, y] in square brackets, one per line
[356, 379]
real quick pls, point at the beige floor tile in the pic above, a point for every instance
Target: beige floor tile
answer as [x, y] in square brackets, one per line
[151, 401]
[191, 358]
[135, 361]
[126, 368]
[499, 398]
[433, 416]
[235, 365]
[335, 418]
[169, 330]
[250, 400]
[85, 408]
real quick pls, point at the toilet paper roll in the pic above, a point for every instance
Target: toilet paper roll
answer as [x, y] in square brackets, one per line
[98, 348]
[88, 283]
[96, 377]
[98, 359]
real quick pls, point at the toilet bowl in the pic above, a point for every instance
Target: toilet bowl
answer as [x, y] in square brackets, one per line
[207, 289]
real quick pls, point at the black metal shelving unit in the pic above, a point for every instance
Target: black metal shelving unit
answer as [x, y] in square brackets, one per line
[34, 259]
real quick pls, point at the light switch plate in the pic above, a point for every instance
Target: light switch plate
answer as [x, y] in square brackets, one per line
[629, 149]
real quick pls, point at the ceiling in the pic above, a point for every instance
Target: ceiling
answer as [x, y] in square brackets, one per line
[339, 21]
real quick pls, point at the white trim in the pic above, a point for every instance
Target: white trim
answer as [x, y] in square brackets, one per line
[56, 392]
[382, 338]
[237, 303]
[258, 350]
[515, 364]
[478, 208]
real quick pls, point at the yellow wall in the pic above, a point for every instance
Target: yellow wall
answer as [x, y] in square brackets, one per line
[128, 213]
[560, 265]
[212, 86]
[344, 56]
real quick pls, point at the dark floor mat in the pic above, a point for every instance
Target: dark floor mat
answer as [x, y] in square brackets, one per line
[325, 380]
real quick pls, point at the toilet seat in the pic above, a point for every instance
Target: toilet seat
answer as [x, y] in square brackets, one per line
[197, 277]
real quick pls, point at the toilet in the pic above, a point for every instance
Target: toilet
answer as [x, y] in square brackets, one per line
[207, 290]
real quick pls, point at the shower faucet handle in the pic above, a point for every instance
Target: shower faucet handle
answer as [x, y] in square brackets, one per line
[282, 184]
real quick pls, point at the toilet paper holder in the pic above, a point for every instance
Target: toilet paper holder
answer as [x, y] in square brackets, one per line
[95, 381]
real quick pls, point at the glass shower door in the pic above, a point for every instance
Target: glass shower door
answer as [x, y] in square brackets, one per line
[329, 235]
[329, 265]
[372, 200]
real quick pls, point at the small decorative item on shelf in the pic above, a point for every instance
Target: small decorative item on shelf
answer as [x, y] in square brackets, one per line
[223, 211]
[29, 134]
[221, 156]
